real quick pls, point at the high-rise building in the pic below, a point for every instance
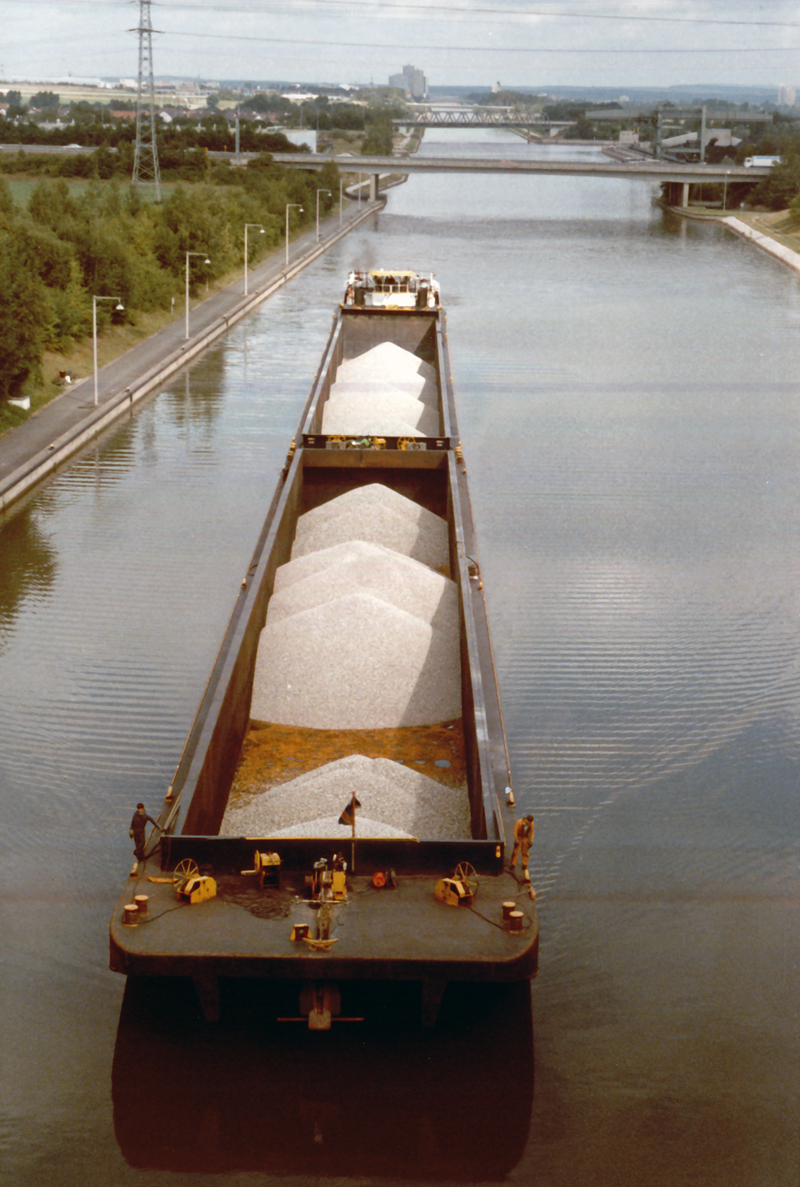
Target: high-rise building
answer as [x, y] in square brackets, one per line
[786, 96]
[412, 81]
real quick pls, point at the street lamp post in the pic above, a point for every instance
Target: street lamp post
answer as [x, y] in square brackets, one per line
[290, 206]
[261, 232]
[207, 261]
[118, 305]
[318, 194]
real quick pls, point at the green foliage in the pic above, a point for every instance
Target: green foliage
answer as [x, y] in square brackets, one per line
[7, 206]
[106, 239]
[506, 99]
[379, 138]
[43, 99]
[782, 188]
[42, 252]
[267, 103]
[70, 311]
[50, 204]
[23, 318]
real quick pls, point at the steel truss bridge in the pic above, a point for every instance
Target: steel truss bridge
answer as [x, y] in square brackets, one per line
[477, 119]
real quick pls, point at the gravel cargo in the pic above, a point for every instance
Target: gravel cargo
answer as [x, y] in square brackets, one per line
[385, 574]
[393, 798]
[356, 663]
[425, 541]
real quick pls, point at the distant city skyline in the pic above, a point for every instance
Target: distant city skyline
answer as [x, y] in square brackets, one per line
[557, 42]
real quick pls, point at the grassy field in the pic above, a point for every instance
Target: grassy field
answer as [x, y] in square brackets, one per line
[22, 186]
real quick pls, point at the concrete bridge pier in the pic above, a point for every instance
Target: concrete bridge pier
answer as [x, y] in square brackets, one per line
[374, 180]
[676, 193]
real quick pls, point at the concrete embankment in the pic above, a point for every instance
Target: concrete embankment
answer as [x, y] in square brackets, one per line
[764, 241]
[58, 430]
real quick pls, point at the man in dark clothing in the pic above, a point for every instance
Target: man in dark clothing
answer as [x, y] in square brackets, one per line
[138, 826]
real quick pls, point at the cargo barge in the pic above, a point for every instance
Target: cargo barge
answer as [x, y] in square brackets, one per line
[343, 808]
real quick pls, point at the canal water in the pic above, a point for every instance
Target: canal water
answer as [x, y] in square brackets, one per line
[628, 399]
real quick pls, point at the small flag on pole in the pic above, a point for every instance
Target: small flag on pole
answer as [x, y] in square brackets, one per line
[348, 816]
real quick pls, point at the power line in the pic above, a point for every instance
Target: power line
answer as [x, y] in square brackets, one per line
[461, 10]
[455, 9]
[490, 49]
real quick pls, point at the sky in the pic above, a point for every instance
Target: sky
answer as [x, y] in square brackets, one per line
[623, 43]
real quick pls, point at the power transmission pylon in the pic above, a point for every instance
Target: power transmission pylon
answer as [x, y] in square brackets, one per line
[145, 160]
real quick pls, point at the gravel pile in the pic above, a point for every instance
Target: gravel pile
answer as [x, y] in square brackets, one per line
[379, 516]
[369, 413]
[395, 800]
[422, 389]
[351, 550]
[385, 574]
[329, 826]
[386, 361]
[375, 494]
[425, 541]
[356, 663]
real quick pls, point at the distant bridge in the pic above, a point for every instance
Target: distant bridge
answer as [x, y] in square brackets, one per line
[478, 118]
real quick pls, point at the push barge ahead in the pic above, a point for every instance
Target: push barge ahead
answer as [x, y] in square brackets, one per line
[342, 810]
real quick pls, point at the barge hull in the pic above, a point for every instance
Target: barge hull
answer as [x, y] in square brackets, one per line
[398, 932]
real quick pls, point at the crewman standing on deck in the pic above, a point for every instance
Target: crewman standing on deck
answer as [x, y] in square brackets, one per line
[523, 839]
[138, 826]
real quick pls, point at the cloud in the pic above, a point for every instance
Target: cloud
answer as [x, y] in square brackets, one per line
[635, 42]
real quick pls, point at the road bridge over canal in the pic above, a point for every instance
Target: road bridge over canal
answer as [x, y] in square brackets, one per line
[678, 175]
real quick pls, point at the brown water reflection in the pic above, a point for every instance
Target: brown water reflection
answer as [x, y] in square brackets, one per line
[381, 1098]
[29, 563]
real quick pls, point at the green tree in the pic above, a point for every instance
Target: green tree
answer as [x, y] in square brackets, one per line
[7, 207]
[43, 99]
[782, 188]
[50, 204]
[23, 319]
[379, 138]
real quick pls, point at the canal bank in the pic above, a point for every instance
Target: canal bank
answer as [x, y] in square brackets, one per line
[55, 432]
[765, 240]
[754, 226]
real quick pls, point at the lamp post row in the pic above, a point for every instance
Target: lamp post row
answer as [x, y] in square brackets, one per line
[261, 230]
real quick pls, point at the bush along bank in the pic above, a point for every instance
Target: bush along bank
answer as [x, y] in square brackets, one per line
[67, 246]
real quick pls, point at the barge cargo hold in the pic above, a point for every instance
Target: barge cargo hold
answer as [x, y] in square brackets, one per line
[343, 808]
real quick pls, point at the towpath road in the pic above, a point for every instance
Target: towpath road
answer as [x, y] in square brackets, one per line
[58, 429]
